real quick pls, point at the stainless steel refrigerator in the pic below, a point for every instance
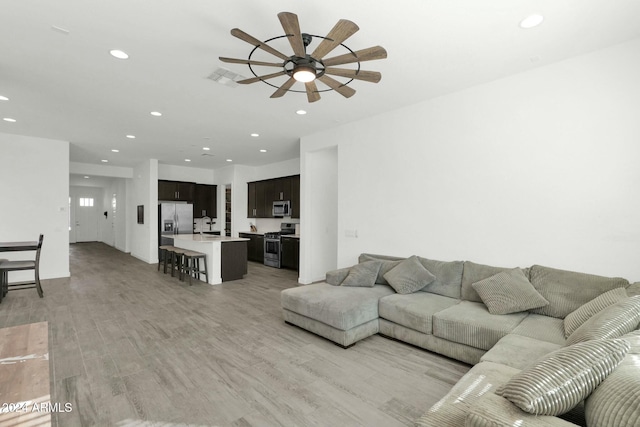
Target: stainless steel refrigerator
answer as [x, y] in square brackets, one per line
[174, 218]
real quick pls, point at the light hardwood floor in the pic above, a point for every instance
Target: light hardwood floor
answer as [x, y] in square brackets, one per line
[130, 346]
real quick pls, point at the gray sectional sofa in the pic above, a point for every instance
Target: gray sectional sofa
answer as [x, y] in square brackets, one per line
[547, 317]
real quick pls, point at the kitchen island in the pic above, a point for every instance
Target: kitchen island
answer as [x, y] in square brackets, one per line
[226, 256]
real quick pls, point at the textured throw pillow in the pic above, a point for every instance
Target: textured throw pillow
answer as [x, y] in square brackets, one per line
[508, 292]
[565, 377]
[612, 322]
[336, 277]
[385, 266]
[584, 313]
[409, 276]
[362, 275]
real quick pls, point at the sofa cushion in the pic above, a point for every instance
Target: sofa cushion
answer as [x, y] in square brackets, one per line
[409, 276]
[542, 328]
[518, 351]
[448, 277]
[451, 410]
[496, 411]
[582, 314]
[508, 292]
[362, 275]
[335, 277]
[566, 291]
[342, 307]
[471, 323]
[474, 272]
[414, 311]
[616, 402]
[612, 322]
[564, 378]
[633, 289]
[385, 266]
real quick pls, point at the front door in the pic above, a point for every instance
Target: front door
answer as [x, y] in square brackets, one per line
[85, 218]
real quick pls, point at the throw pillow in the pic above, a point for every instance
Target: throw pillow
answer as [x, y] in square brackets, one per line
[336, 277]
[565, 377]
[612, 322]
[384, 267]
[362, 275]
[509, 292]
[409, 276]
[582, 314]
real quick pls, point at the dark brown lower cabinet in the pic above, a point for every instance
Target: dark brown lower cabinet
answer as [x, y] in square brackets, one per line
[255, 247]
[290, 253]
[233, 260]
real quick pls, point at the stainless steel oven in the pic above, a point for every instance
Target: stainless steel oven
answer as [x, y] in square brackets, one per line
[272, 249]
[272, 245]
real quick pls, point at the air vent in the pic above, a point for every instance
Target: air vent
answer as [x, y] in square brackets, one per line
[207, 155]
[225, 77]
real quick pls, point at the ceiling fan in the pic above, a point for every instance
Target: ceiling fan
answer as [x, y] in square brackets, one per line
[307, 68]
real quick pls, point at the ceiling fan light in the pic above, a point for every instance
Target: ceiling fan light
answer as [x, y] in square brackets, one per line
[304, 74]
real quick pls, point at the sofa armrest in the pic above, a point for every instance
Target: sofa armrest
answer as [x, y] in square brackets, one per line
[496, 411]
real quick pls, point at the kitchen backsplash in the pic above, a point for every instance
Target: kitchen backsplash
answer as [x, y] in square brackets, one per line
[271, 224]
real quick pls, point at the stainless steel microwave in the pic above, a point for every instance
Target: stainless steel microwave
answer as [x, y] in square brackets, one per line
[281, 208]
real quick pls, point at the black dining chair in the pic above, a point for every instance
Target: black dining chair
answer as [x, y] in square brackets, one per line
[19, 265]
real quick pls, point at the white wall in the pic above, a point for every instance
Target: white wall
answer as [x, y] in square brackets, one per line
[318, 245]
[187, 174]
[34, 203]
[540, 167]
[144, 191]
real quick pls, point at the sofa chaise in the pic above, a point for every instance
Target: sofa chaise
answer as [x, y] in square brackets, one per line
[512, 324]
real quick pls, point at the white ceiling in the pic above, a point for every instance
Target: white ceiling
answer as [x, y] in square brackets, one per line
[68, 87]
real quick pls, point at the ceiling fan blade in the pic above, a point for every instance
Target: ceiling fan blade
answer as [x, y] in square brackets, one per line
[259, 78]
[343, 90]
[369, 54]
[284, 88]
[367, 76]
[312, 92]
[249, 62]
[291, 28]
[339, 33]
[255, 42]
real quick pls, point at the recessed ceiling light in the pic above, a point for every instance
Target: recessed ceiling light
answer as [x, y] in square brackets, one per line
[206, 148]
[131, 136]
[229, 160]
[301, 112]
[187, 160]
[86, 177]
[115, 151]
[531, 21]
[263, 151]
[156, 113]
[104, 161]
[3, 98]
[116, 53]
[9, 119]
[255, 135]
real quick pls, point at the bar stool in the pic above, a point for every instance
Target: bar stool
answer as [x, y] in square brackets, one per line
[166, 252]
[7, 266]
[192, 265]
[176, 261]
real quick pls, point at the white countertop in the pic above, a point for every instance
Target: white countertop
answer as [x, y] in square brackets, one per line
[207, 238]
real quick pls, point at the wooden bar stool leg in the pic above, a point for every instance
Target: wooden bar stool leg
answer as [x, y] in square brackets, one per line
[206, 273]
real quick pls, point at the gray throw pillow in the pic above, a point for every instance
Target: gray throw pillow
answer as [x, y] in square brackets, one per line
[509, 292]
[409, 276]
[563, 378]
[362, 275]
[576, 318]
[612, 322]
[336, 277]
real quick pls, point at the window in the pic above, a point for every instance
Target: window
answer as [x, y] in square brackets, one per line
[86, 201]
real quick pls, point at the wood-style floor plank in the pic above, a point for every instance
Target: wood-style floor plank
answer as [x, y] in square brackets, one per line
[132, 346]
